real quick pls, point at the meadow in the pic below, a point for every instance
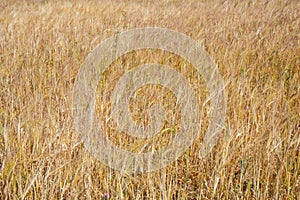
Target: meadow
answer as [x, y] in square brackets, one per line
[254, 43]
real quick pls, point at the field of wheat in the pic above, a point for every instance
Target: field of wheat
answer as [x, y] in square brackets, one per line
[254, 44]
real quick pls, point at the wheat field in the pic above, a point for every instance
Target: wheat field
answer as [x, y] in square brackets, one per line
[256, 46]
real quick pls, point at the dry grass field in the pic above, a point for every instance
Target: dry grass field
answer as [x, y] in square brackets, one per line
[256, 46]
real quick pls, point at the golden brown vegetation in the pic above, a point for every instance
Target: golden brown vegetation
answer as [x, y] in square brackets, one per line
[255, 45]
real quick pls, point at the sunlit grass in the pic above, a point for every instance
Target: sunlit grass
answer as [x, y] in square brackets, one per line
[255, 45]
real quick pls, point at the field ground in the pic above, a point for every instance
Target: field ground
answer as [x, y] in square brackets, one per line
[255, 45]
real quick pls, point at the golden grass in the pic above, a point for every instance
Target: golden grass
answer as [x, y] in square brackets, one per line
[255, 44]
